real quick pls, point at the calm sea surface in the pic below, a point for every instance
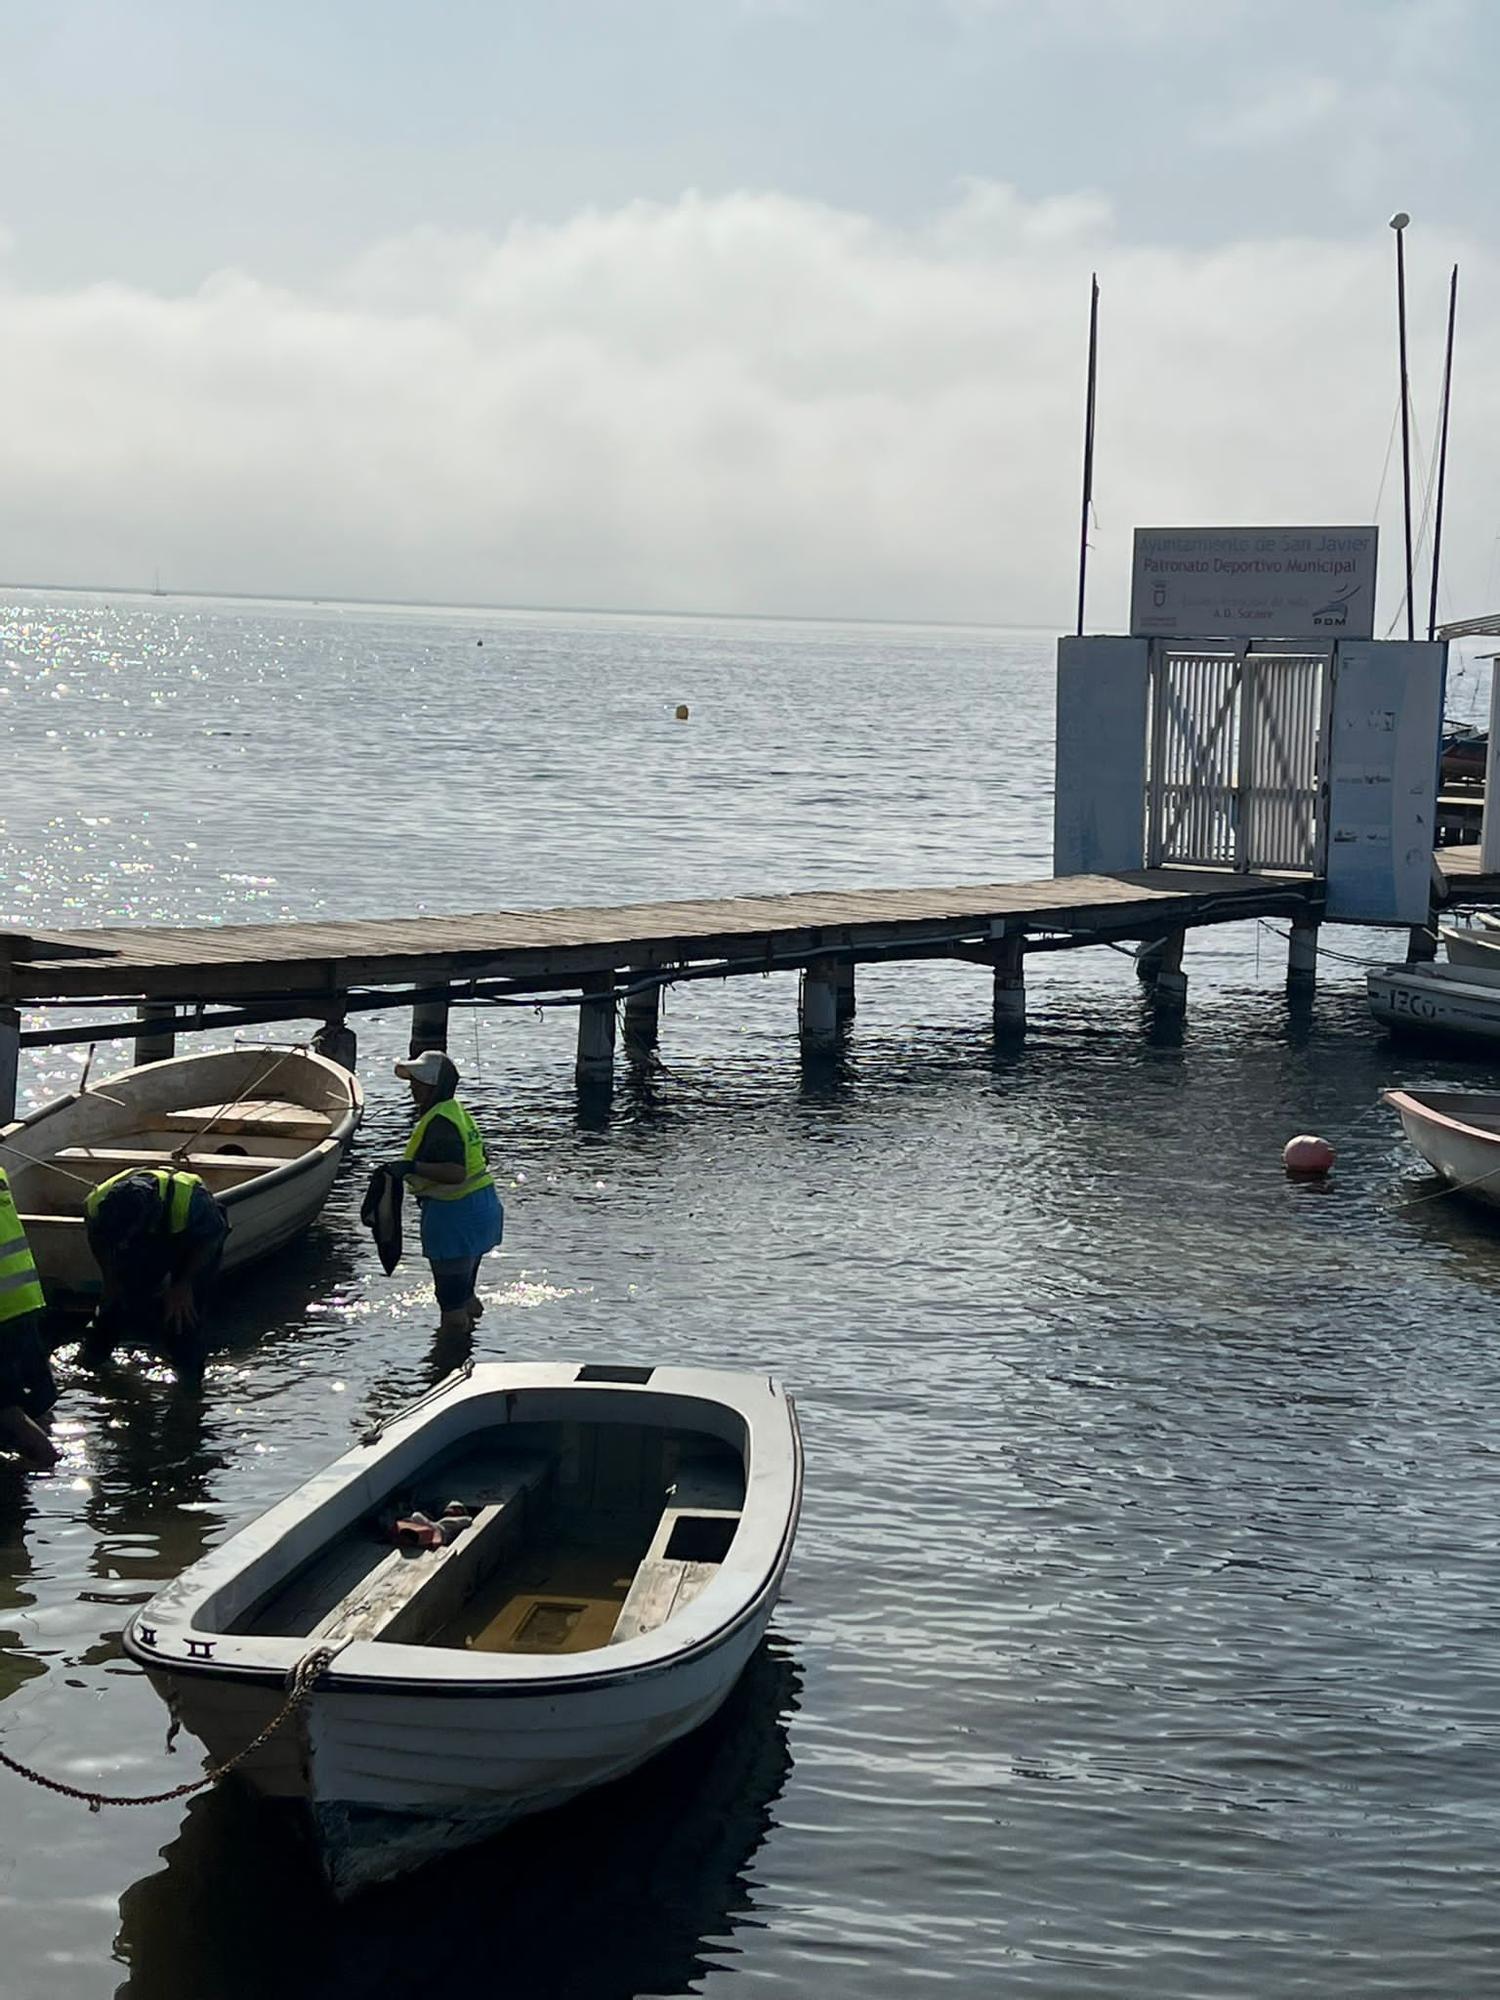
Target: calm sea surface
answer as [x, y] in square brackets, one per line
[1143, 1633]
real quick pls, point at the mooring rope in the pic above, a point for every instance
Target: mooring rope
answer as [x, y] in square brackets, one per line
[304, 1677]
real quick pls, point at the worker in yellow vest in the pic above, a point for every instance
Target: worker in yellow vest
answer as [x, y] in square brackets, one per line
[157, 1235]
[27, 1391]
[445, 1167]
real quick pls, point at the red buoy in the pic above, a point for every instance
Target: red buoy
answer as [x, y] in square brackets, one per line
[1307, 1154]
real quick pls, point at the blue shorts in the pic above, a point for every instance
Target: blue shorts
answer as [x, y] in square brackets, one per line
[462, 1231]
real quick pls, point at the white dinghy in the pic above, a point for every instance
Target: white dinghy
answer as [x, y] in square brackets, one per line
[627, 1536]
[1457, 1132]
[1472, 944]
[265, 1129]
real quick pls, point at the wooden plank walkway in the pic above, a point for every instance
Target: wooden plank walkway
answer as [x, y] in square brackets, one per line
[1463, 880]
[559, 947]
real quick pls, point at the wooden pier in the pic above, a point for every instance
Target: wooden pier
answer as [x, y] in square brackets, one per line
[180, 980]
[609, 960]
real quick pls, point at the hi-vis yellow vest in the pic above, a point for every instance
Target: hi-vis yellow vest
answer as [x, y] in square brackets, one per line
[20, 1288]
[477, 1173]
[175, 1191]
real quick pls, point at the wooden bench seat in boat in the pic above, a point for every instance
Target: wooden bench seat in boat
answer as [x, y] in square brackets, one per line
[413, 1592]
[277, 1118]
[691, 1540]
[119, 1158]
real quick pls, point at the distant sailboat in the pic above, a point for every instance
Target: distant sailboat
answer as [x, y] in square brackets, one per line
[156, 589]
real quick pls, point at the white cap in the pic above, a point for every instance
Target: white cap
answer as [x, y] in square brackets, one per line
[426, 1068]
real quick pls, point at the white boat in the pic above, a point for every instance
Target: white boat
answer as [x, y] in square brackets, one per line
[1436, 999]
[1457, 1132]
[266, 1130]
[630, 1530]
[1477, 944]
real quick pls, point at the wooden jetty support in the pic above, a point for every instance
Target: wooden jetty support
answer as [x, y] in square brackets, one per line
[178, 981]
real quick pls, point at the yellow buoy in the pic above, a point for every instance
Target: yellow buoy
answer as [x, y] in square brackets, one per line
[682, 711]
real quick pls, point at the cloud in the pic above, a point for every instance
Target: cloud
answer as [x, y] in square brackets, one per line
[1276, 109]
[750, 403]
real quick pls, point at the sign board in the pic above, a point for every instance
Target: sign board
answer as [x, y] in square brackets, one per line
[1275, 583]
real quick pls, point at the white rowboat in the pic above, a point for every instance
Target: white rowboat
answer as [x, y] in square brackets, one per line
[1477, 944]
[1457, 1132]
[266, 1129]
[630, 1531]
[1437, 999]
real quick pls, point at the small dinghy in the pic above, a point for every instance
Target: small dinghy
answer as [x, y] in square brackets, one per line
[524, 1586]
[265, 1129]
[1457, 1132]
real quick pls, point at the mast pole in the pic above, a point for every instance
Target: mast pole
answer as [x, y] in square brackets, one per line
[1088, 449]
[1400, 222]
[1442, 476]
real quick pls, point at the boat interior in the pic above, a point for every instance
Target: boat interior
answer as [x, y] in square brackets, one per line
[1478, 1108]
[581, 1535]
[223, 1147]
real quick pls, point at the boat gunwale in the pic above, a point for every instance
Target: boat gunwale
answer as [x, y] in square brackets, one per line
[542, 1678]
[1407, 1102]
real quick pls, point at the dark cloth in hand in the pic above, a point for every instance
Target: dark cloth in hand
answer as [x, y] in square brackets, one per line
[380, 1212]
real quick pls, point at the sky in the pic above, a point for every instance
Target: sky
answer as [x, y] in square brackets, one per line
[767, 306]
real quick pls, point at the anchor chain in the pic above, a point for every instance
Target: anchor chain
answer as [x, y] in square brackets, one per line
[304, 1676]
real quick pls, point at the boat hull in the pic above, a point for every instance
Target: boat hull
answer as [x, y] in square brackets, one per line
[393, 1781]
[1463, 1155]
[1437, 1001]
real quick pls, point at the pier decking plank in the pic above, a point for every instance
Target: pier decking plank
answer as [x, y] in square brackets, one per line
[237, 961]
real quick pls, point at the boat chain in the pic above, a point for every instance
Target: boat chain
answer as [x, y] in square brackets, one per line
[303, 1679]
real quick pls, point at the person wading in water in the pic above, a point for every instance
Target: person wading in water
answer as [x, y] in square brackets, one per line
[446, 1168]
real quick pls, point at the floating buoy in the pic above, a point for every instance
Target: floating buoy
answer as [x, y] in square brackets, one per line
[479, 642]
[1307, 1154]
[682, 711]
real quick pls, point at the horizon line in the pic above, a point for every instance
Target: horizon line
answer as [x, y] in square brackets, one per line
[532, 610]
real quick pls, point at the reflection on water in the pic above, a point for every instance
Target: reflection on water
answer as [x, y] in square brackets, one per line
[640, 1888]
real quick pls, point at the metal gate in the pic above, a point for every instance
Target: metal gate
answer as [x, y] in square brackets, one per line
[1237, 755]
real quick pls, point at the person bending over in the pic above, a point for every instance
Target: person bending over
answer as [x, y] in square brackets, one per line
[157, 1236]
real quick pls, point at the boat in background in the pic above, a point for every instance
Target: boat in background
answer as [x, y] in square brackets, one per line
[1477, 943]
[1457, 1132]
[265, 1128]
[1436, 999]
[596, 1551]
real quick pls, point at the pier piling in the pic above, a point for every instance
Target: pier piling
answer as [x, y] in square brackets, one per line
[1421, 944]
[1169, 984]
[642, 1019]
[429, 1026]
[596, 1030]
[10, 1061]
[153, 1042]
[337, 1040]
[1010, 988]
[1302, 955]
[843, 988]
[818, 1005]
